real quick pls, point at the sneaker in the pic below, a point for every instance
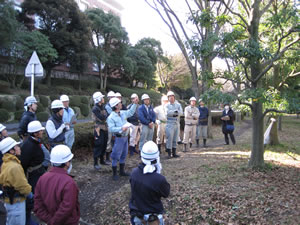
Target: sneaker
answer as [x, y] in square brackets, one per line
[97, 167]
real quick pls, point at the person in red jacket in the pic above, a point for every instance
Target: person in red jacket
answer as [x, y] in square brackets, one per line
[56, 193]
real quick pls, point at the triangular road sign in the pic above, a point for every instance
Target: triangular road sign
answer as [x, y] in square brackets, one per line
[34, 66]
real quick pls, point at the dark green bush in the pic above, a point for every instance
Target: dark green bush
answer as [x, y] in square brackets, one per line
[84, 100]
[19, 103]
[54, 97]
[42, 116]
[40, 108]
[75, 101]
[84, 109]
[44, 101]
[84, 136]
[4, 115]
[8, 105]
[63, 90]
[18, 115]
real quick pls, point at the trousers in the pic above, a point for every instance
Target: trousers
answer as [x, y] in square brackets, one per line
[161, 133]
[70, 138]
[15, 213]
[201, 131]
[134, 135]
[146, 135]
[119, 151]
[189, 135]
[172, 130]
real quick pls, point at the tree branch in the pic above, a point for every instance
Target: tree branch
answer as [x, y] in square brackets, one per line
[245, 103]
[266, 7]
[272, 110]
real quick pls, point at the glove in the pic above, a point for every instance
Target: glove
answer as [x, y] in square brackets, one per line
[30, 196]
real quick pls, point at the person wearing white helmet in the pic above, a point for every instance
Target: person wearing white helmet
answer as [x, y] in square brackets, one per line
[148, 186]
[173, 111]
[110, 95]
[99, 115]
[3, 134]
[55, 126]
[119, 127]
[119, 96]
[69, 118]
[161, 121]
[202, 123]
[29, 115]
[56, 194]
[147, 117]
[108, 108]
[134, 129]
[191, 115]
[14, 183]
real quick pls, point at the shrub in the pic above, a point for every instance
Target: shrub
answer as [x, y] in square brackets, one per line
[19, 103]
[54, 97]
[40, 108]
[84, 136]
[75, 101]
[8, 105]
[44, 101]
[18, 115]
[63, 90]
[84, 110]
[42, 116]
[4, 115]
[84, 100]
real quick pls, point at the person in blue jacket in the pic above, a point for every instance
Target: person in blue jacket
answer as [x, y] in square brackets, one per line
[227, 126]
[147, 117]
[202, 123]
[148, 186]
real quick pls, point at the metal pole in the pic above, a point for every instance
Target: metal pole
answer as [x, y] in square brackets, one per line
[32, 80]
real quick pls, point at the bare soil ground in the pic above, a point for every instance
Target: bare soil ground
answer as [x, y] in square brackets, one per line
[208, 185]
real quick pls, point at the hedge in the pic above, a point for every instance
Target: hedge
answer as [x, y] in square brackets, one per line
[4, 115]
[44, 101]
[42, 116]
[84, 135]
[84, 100]
[19, 103]
[84, 109]
[8, 105]
[18, 114]
[40, 108]
[75, 101]
[54, 97]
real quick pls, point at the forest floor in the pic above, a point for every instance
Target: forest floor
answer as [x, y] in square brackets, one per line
[210, 185]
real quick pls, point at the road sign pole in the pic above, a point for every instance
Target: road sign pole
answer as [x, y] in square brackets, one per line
[32, 79]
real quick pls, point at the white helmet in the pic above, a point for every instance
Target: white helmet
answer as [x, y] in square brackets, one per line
[97, 97]
[30, 100]
[193, 99]
[134, 95]
[145, 96]
[114, 101]
[64, 98]
[34, 126]
[118, 94]
[7, 144]
[60, 154]
[150, 151]
[164, 98]
[170, 93]
[111, 94]
[200, 100]
[2, 127]
[57, 104]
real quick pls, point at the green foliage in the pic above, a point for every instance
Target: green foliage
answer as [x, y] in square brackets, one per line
[75, 101]
[19, 103]
[4, 115]
[54, 97]
[84, 100]
[42, 116]
[18, 115]
[44, 101]
[214, 96]
[84, 133]
[40, 107]
[84, 109]
[8, 105]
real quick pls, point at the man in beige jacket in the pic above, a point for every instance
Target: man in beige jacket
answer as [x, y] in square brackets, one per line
[191, 115]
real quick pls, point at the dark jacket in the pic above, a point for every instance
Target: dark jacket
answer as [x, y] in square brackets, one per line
[57, 121]
[100, 114]
[145, 116]
[203, 118]
[227, 122]
[133, 119]
[147, 191]
[27, 117]
[56, 198]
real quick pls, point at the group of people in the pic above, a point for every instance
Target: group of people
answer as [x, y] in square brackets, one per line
[29, 183]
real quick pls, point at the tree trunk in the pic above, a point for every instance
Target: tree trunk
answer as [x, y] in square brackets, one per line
[209, 125]
[105, 82]
[47, 79]
[79, 81]
[279, 123]
[257, 151]
[274, 134]
[195, 85]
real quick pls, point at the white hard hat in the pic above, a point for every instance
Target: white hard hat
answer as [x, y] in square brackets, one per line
[114, 101]
[57, 104]
[134, 95]
[64, 98]
[30, 100]
[118, 94]
[193, 99]
[97, 97]
[170, 93]
[145, 96]
[111, 94]
[34, 126]
[7, 144]
[200, 100]
[2, 127]
[150, 151]
[164, 98]
[61, 154]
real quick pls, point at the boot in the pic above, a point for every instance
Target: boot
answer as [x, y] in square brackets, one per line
[191, 144]
[131, 150]
[135, 150]
[184, 148]
[159, 147]
[107, 156]
[174, 153]
[96, 166]
[169, 152]
[115, 176]
[197, 140]
[122, 170]
[204, 143]
[102, 162]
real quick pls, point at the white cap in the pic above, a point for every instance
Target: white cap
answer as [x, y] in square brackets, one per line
[111, 94]
[164, 98]
[64, 98]
[30, 100]
[170, 93]
[34, 126]
[7, 144]
[2, 127]
[118, 94]
[97, 97]
[60, 154]
[134, 95]
[150, 151]
[114, 101]
[193, 99]
[57, 104]
[145, 96]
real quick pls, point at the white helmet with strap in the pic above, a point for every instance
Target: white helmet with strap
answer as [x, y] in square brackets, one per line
[7, 144]
[57, 104]
[145, 96]
[2, 127]
[61, 154]
[193, 99]
[111, 94]
[97, 97]
[170, 93]
[114, 101]
[35, 126]
[64, 98]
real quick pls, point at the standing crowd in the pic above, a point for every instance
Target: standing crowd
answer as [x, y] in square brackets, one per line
[35, 177]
